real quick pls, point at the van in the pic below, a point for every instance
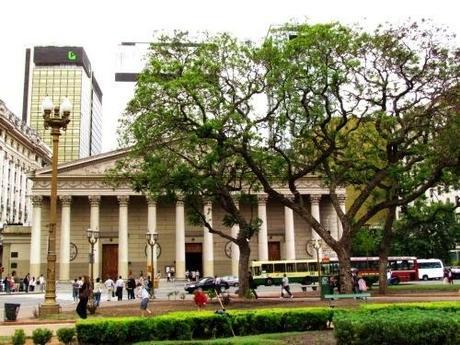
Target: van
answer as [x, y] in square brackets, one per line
[430, 269]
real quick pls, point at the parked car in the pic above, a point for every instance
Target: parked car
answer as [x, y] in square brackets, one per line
[205, 284]
[231, 280]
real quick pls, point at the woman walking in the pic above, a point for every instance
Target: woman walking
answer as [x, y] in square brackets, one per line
[84, 293]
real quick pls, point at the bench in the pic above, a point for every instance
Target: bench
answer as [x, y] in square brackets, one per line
[332, 297]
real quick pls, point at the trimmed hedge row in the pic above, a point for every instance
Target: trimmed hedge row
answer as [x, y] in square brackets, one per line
[440, 306]
[201, 325]
[389, 326]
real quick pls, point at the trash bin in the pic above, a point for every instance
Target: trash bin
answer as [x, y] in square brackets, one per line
[11, 311]
[325, 287]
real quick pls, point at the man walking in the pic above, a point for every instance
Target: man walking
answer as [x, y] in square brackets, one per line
[285, 286]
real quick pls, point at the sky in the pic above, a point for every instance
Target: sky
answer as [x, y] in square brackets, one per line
[100, 26]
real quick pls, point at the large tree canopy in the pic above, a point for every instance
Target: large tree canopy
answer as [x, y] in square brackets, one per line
[219, 117]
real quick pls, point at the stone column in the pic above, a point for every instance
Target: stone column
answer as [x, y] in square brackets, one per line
[289, 232]
[263, 232]
[24, 193]
[235, 249]
[17, 192]
[208, 243]
[35, 238]
[12, 185]
[94, 224]
[5, 167]
[123, 236]
[341, 198]
[180, 239]
[64, 247]
[152, 227]
[315, 199]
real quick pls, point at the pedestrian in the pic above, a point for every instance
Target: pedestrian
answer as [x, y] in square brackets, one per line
[144, 295]
[168, 276]
[193, 276]
[83, 293]
[32, 284]
[25, 282]
[285, 286]
[130, 286]
[6, 284]
[187, 275]
[42, 282]
[252, 285]
[450, 276]
[119, 285]
[109, 284]
[354, 280]
[97, 292]
[80, 281]
[197, 275]
[75, 290]
[362, 286]
[200, 298]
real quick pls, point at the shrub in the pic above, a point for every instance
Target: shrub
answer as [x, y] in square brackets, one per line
[66, 335]
[200, 325]
[402, 327]
[41, 336]
[19, 337]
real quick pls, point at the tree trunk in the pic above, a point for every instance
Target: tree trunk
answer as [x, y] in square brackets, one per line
[243, 268]
[384, 249]
[346, 284]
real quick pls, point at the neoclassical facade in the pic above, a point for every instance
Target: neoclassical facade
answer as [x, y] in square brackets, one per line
[123, 217]
[21, 151]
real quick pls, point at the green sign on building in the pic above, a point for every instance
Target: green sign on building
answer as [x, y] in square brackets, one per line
[71, 56]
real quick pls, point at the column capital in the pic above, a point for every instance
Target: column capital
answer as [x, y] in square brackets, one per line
[315, 198]
[179, 202]
[151, 201]
[341, 198]
[123, 200]
[94, 200]
[262, 199]
[207, 203]
[66, 200]
[37, 200]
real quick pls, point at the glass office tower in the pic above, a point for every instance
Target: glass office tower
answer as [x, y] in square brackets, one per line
[64, 72]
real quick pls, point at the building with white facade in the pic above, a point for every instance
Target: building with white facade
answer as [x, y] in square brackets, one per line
[21, 151]
[123, 216]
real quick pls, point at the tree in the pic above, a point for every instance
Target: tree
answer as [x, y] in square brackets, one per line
[375, 111]
[427, 230]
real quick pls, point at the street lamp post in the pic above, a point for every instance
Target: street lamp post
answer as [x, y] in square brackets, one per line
[152, 238]
[54, 118]
[92, 236]
[316, 245]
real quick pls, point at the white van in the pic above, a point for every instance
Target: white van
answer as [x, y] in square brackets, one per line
[430, 269]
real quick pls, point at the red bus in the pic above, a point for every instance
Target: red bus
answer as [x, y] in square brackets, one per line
[403, 268]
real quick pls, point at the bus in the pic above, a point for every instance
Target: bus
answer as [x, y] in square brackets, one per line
[271, 272]
[403, 268]
[430, 269]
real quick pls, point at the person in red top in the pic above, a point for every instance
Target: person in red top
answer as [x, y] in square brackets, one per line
[200, 299]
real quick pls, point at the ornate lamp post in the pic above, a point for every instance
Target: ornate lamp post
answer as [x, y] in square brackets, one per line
[152, 238]
[92, 236]
[54, 118]
[316, 245]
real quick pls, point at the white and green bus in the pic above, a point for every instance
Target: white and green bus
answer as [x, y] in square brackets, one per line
[271, 272]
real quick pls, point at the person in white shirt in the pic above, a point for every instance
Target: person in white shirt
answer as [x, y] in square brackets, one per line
[109, 284]
[285, 286]
[97, 292]
[144, 295]
[119, 285]
[41, 280]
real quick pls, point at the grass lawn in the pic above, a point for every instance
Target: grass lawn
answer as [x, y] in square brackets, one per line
[292, 338]
[424, 287]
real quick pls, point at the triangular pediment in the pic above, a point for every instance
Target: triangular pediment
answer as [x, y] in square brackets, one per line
[89, 167]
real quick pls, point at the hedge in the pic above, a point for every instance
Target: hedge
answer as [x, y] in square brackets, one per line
[389, 326]
[201, 325]
[440, 306]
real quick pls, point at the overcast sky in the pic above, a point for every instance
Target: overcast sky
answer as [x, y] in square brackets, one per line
[99, 26]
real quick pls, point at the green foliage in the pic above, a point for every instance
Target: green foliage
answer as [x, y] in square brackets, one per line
[41, 336]
[19, 337]
[201, 325]
[366, 242]
[427, 230]
[393, 326]
[66, 335]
